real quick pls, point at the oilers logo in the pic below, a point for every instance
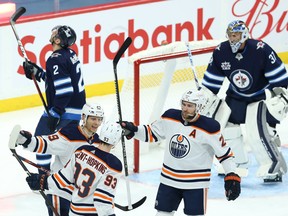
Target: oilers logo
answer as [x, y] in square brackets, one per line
[241, 79]
[179, 146]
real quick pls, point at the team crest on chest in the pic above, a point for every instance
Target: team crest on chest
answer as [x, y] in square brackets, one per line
[179, 146]
[242, 79]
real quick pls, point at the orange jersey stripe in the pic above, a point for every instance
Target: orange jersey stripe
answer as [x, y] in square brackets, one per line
[184, 175]
[103, 196]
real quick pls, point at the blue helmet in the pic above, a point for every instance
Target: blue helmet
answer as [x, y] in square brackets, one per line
[237, 26]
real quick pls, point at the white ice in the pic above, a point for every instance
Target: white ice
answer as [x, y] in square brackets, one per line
[16, 199]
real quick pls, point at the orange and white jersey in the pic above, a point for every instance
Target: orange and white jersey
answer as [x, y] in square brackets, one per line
[190, 149]
[95, 174]
[62, 145]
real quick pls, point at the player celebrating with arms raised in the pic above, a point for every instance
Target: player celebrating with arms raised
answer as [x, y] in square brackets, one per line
[253, 69]
[192, 140]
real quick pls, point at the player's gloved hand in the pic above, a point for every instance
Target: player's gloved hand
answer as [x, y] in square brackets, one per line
[232, 186]
[24, 138]
[37, 181]
[31, 68]
[129, 129]
[53, 119]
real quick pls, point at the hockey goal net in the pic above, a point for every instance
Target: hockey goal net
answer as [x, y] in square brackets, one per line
[155, 81]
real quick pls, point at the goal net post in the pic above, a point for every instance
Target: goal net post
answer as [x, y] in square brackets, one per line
[155, 81]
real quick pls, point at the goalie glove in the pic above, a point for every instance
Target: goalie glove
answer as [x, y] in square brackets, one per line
[32, 68]
[37, 181]
[277, 102]
[24, 138]
[129, 129]
[232, 186]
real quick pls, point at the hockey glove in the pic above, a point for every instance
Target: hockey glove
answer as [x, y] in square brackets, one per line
[232, 186]
[31, 68]
[53, 119]
[24, 138]
[129, 129]
[37, 181]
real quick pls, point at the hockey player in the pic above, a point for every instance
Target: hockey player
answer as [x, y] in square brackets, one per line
[62, 144]
[257, 97]
[93, 170]
[65, 94]
[192, 140]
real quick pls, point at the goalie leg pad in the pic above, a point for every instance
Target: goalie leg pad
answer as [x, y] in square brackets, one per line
[216, 108]
[233, 137]
[263, 144]
[223, 113]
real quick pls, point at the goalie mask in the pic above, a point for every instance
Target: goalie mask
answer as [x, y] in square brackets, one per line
[195, 96]
[66, 35]
[92, 110]
[111, 133]
[237, 26]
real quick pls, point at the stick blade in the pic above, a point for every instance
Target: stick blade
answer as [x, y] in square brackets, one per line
[121, 51]
[134, 206]
[19, 12]
[13, 136]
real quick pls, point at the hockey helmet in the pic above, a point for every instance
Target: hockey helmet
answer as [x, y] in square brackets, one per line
[92, 110]
[237, 26]
[66, 35]
[110, 133]
[195, 96]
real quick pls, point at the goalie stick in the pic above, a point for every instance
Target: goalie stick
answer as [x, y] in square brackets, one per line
[11, 145]
[116, 59]
[19, 12]
[192, 66]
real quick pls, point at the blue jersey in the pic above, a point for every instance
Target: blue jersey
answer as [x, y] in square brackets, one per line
[250, 71]
[64, 84]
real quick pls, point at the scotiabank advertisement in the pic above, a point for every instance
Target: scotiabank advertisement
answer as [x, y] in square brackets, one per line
[100, 32]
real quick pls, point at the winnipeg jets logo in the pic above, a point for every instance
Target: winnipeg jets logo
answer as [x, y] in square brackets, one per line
[260, 44]
[67, 32]
[242, 79]
[225, 65]
[239, 56]
[179, 146]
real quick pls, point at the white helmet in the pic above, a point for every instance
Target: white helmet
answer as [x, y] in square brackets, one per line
[237, 26]
[92, 110]
[110, 133]
[195, 96]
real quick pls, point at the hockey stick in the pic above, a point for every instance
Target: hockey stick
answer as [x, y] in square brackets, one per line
[116, 59]
[34, 164]
[19, 12]
[11, 145]
[192, 66]
[124, 208]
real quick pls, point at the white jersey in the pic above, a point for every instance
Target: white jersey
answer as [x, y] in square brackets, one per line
[190, 149]
[62, 145]
[95, 175]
